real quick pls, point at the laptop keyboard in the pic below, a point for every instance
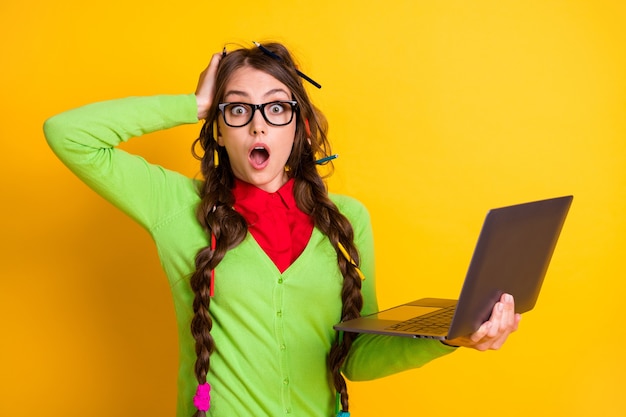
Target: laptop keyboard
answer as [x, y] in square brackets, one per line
[437, 322]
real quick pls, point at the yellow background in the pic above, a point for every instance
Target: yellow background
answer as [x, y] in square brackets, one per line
[440, 110]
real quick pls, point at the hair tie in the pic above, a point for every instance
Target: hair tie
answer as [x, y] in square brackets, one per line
[216, 158]
[202, 399]
[349, 258]
[212, 280]
[343, 414]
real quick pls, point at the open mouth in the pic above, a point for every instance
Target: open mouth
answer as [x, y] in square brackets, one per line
[259, 156]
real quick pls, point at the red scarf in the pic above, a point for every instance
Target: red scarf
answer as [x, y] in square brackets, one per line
[280, 228]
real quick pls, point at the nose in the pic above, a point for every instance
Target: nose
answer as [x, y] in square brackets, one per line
[258, 125]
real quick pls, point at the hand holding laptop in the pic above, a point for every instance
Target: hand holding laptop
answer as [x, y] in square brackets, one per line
[493, 333]
[510, 259]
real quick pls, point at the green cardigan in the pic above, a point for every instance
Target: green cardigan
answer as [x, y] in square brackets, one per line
[272, 331]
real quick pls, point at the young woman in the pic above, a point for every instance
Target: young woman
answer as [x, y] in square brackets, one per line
[262, 261]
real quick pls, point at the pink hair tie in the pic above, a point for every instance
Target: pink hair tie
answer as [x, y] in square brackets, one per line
[202, 399]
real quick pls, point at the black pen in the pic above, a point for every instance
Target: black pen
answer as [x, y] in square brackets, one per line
[308, 79]
[267, 51]
[273, 55]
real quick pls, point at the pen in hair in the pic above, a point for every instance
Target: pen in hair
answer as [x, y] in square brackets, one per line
[267, 51]
[326, 159]
[273, 55]
[309, 79]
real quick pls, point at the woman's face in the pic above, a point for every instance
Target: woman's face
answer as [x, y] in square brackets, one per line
[258, 151]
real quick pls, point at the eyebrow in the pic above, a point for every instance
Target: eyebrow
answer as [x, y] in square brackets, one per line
[244, 94]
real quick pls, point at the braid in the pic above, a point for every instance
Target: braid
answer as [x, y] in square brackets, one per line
[312, 197]
[229, 228]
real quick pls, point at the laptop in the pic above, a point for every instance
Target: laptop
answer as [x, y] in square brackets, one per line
[511, 256]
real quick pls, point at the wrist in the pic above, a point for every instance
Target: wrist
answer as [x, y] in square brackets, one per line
[203, 107]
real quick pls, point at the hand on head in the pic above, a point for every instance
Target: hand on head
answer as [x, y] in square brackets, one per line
[205, 91]
[493, 333]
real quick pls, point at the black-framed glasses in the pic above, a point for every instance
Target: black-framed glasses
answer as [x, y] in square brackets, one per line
[276, 113]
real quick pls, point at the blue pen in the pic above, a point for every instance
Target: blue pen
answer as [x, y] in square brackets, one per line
[326, 159]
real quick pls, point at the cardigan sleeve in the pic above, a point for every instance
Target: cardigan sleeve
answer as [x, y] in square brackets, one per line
[376, 356]
[85, 140]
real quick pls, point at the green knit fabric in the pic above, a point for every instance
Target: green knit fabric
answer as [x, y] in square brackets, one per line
[272, 331]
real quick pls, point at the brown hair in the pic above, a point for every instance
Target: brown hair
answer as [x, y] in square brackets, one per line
[217, 217]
